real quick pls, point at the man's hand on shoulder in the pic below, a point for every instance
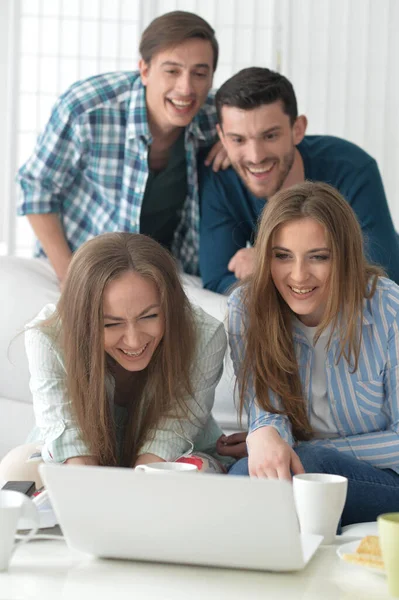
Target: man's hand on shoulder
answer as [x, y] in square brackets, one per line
[218, 156]
[242, 263]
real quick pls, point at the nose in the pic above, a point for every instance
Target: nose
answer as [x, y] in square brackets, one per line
[131, 337]
[184, 84]
[256, 152]
[299, 272]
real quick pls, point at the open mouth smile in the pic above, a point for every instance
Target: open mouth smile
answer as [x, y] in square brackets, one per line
[302, 292]
[261, 172]
[182, 106]
[134, 354]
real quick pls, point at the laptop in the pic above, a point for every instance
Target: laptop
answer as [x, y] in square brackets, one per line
[204, 519]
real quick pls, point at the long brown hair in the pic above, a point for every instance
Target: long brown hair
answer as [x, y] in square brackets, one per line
[270, 355]
[159, 390]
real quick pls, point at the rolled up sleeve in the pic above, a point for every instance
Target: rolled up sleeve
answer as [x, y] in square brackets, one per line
[257, 416]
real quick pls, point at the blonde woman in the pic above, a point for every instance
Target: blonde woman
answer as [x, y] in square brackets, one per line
[314, 336]
[123, 369]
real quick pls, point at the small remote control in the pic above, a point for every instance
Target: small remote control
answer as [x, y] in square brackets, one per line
[25, 487]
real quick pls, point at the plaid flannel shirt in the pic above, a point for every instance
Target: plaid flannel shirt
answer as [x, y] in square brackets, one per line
[90, 165]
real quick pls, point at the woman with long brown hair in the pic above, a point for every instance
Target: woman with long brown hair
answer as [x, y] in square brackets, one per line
[314, 336]
[124, 369]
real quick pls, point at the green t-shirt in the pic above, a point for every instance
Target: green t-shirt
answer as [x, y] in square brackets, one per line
[164, 196]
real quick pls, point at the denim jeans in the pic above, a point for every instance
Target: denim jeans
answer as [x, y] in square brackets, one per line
[371, 491]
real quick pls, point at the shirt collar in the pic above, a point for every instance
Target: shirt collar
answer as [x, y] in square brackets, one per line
[138, 117]
[194, 130]
[299, 335]
[367, 316]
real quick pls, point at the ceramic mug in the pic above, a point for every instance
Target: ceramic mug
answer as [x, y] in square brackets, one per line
[320, 500]
[388, 530]
[167, 467]
[13, 507]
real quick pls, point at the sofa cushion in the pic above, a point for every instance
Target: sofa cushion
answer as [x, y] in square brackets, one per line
[28, 284]
[17, 420]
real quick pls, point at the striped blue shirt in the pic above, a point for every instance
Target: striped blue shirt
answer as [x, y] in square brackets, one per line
[90, 165]
[365, 404]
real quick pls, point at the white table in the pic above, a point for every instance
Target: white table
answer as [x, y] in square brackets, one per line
[49, 570]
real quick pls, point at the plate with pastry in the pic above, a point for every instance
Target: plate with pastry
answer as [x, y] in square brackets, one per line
[365, 553]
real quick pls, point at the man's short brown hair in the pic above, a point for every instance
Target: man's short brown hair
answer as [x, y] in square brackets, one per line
[173, 28]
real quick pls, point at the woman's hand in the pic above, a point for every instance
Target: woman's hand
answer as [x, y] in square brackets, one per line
[232, 445]
[270, 456]
[218, 155]
[81, 460]
[147, 459]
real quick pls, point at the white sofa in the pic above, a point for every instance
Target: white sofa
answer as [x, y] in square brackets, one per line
[27, 285]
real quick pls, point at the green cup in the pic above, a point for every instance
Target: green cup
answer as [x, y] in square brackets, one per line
[388, 529]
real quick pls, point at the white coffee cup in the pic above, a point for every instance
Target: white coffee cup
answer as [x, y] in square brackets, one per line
[13, 507]
[320, 500]
[167, 467]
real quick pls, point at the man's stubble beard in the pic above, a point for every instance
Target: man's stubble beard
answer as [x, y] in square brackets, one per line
[286, 165]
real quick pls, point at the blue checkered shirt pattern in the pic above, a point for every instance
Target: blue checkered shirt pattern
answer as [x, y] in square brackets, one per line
[90, 165]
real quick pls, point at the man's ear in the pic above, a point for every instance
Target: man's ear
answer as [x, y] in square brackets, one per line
[299, 129]
[220, 134]
[144, 69]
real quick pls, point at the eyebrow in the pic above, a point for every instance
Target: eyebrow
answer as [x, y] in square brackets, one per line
[265, 132]
[145, 311]
[171, 63]
[308, 252]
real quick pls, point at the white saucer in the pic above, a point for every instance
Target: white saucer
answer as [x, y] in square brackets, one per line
[350, 548]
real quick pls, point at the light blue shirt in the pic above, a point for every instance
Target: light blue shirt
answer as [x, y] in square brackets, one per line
[364, 404]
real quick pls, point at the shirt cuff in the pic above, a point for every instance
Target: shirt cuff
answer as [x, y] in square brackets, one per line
[63, 443]
[278, 422]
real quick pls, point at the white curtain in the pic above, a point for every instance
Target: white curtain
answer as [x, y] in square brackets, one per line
[341, 56]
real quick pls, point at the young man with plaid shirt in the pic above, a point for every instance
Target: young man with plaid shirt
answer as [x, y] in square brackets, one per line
[119, 151]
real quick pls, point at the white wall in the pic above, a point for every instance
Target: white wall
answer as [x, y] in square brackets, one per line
[4, 57]
[65, 40]
[341, 56]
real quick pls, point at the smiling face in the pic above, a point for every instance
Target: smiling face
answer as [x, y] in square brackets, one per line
[301, 268]
[260, 143]
[177, 82]
[134, 323]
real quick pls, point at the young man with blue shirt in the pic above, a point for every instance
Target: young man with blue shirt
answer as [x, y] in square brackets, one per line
[266, 143]
[119, 152]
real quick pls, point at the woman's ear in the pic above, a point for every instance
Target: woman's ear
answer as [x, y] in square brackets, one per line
[299, 129]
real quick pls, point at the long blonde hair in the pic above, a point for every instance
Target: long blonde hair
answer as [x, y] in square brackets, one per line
[159, 389]
[270, 355]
